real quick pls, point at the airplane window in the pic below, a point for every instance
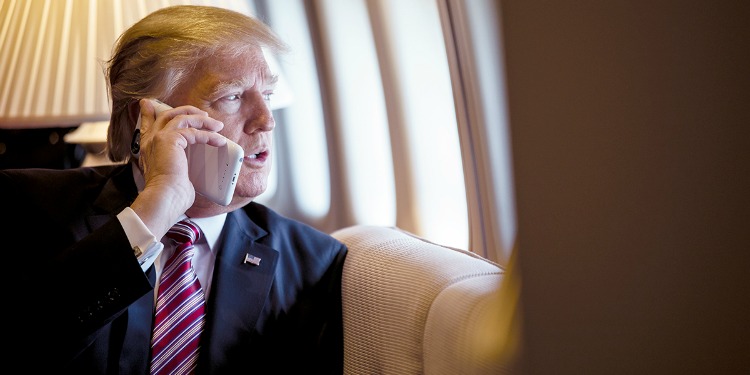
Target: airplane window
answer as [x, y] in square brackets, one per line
[300, 125]
[357, 95]
[421, 103]
[396, 132]
[484, 29]
[379, 86]
[476, 63]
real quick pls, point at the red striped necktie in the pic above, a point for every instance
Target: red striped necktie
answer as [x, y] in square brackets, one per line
[180, 307]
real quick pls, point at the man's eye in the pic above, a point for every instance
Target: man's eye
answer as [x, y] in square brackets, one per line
[232, 97]
[267, 96]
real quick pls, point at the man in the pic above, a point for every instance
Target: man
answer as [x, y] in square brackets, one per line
[91, 245]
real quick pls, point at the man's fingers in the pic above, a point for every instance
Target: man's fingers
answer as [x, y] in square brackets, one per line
[200, 136]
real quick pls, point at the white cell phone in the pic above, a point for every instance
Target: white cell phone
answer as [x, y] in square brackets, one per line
[212, 170]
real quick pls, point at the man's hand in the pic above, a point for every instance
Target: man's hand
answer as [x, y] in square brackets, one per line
[168, 192]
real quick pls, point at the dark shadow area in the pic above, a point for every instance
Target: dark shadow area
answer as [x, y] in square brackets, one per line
[38, 148]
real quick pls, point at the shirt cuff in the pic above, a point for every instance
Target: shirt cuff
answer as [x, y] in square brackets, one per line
[145, 246]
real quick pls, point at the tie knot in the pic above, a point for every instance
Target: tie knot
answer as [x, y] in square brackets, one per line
[184, 231]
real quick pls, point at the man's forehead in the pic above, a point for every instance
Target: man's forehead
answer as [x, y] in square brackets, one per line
[240, 70]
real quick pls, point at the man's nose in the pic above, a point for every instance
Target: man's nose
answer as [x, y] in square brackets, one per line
[259, 116]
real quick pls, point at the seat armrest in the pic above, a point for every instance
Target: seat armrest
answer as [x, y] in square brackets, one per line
[397, 291]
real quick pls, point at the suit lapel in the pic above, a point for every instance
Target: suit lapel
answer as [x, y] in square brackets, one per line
[239, 288]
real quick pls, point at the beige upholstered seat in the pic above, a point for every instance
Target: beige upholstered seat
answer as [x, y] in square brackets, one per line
[414, 307]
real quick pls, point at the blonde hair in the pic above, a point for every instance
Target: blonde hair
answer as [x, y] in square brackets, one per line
[156, 54]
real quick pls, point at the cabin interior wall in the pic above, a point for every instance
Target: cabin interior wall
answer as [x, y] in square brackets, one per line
[630, 136]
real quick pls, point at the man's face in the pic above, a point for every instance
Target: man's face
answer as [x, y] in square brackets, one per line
[236, 91]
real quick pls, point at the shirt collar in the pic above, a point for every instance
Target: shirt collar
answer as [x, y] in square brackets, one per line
[211, 228]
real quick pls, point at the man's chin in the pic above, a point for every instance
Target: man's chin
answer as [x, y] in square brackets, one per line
[250, 190]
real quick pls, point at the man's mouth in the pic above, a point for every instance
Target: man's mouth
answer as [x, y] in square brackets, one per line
[260, 156]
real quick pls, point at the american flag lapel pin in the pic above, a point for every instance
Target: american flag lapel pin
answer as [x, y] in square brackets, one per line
[252, 259]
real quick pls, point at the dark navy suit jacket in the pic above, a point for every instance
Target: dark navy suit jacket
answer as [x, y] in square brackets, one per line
[82, 305]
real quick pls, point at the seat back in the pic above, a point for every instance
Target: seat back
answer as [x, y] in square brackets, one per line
[414, 307]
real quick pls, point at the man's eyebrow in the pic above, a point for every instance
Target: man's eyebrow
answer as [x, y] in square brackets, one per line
[269, 80]
[222, 86]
